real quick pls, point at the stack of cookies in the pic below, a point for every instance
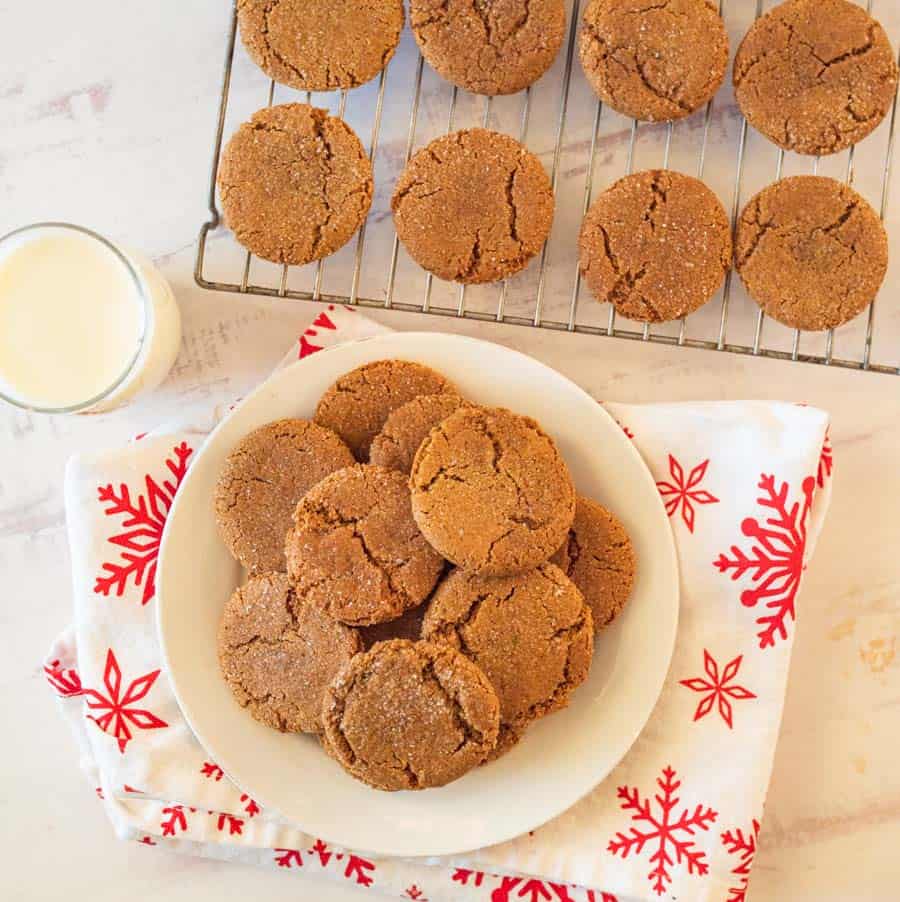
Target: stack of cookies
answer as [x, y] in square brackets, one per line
[422, 580]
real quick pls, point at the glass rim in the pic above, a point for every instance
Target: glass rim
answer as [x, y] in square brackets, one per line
[139, 286]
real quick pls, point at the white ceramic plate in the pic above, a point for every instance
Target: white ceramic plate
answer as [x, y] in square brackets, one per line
[562, 757]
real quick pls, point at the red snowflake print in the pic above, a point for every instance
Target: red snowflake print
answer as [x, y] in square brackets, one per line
[176, 822]
[212, 771]
[683, 493]
[250, 807]
[603, 897]
[463, 875]
[323, 321]
[234, 825]
[99, 791]
[358, 869]
[321, 849]
[744, 846]
[288, 858]
[143, 520]
[118, 707]
[666, 832]
[147, 841]
[718, 688]
[65, 681]
[826, 462]
[413, 892]
[531, 890]
[775, 560]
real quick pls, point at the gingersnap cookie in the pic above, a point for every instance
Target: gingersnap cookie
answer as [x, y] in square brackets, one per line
[295, 183]
[321, 45]
[655, 62]
[358, 404]
[656, 245]
[531, 634]
[410, 715]
[811, 252]
[264, 477]
[815, 76]
[355, 550]
[489, 48]
[473, 206]
[599, 558]
[279, 653]
[491, 492]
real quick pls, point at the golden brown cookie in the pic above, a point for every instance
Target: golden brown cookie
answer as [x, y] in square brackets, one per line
[491, 491]
[407, 427]
[410, 715]
[278, 653]
[295, 183]
[321, 45]
[531, 634]
[815, 76]
[264, 477]
[811, 252]
[654, 61]
[358, 404]
[355, 550]
[489, 46]
[473, 206]
[599, 558]
[656, 245]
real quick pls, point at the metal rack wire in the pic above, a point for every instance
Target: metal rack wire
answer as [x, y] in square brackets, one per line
[567, 314]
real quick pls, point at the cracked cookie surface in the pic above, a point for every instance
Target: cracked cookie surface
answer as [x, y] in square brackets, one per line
[410, 715]
[491, 491]
[655, 60]
[473, 206]
[656, 245]
[489, 46]
[295, 183]
[264, 477]
[811, 252]
[279, 654]
[815, 76]
[355, 550]
[321, 45]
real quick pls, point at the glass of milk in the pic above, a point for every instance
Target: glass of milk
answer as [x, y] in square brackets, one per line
[84, 325]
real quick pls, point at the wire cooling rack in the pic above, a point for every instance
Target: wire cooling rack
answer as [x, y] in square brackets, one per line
[586, 147]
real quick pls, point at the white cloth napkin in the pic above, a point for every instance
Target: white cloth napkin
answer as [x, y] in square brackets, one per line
[746, 486]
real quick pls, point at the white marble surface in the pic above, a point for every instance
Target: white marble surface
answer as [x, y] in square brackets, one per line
[106, 115]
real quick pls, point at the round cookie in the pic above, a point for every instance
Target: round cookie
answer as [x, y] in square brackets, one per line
[599, 558]
[321, 45]
[489, 47]
[815, 76]
[811, 252]
[358, 404]
[295, 183]
[355, 550]
[408, 426]
[278, 653]
[491, 491]
[264, 477]
[656, 245]
[410, 715]
[473, 206]
[531, 634]
[655, 62]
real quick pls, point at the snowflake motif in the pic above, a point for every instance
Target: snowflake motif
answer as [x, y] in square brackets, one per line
[319, 848]
[413, 892]
[118, 706]
[175, 822]
[685, 493]
[532, 890]
[356, 867]
[323, 321]
[234, 825]
[664, 831]
[826, 462]
[64, 680]
[143, 520]
[212, 771]
[288, 858]
[745, 848]
[463, 875]
[775, 561]
[717, 688]
[147, 841]
[251, 809]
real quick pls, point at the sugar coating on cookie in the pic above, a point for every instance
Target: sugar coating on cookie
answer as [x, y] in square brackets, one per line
[357, 406]
[811, 252]
[815, 76]
[473, 206]
[656, 245]
[599, 558]
[321, 45]
[355, 550]
[410, 715]
[295, 183]
[654, 61]
[278, 653]
[264, 477]
[491, 492]
[489, 47]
